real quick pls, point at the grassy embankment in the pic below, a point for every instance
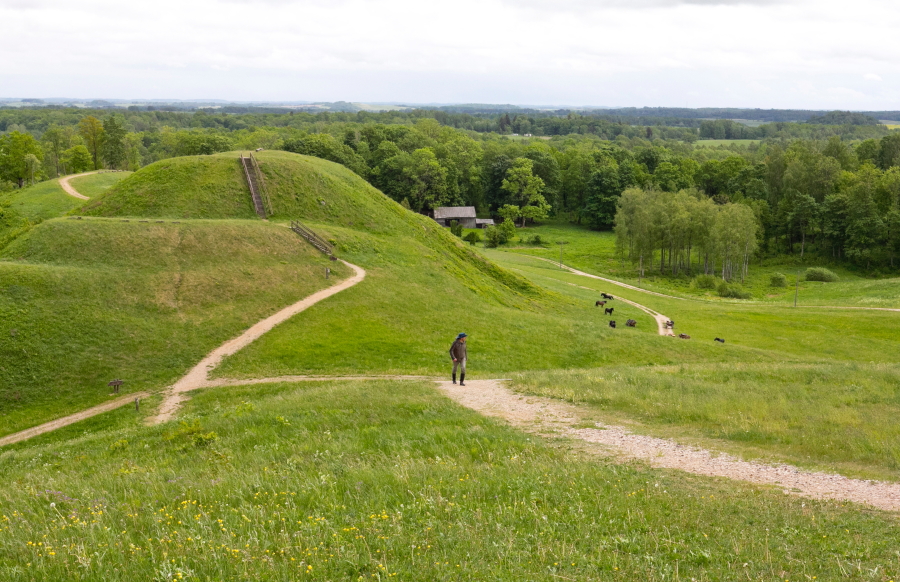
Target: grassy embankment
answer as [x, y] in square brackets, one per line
[386, 480]
[86, 301]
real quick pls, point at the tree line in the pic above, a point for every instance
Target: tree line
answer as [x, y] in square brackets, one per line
[834, 197]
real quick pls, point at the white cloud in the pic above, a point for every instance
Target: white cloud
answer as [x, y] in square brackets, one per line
[613, 52]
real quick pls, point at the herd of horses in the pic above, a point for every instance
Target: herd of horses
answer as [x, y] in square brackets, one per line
[632, 323]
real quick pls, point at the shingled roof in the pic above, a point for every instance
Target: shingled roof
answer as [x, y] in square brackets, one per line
[451, 212]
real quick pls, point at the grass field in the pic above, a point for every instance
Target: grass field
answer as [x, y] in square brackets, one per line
[352, 481]
[797, 393]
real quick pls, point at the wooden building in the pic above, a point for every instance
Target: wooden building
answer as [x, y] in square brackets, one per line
[465, 215]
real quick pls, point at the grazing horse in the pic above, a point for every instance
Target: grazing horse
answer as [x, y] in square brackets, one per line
[720, 340]
[684, 336]
[608, 311]
[605, 296]
[670, 324]
[612, 324]
[600, 304]
[631, 323]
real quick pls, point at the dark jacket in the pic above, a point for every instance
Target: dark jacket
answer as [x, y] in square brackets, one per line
[458, 350]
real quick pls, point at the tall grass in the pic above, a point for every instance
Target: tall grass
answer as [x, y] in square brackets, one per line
[832, 415]
[389, 480]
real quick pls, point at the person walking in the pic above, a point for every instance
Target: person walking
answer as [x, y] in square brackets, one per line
[458, 354]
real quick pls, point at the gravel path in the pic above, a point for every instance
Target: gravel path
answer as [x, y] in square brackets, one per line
[554, 418]
[198, 376]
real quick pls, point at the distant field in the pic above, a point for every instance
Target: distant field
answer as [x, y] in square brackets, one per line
[595, 252]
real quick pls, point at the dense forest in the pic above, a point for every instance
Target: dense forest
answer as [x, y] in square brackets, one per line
[829, 189]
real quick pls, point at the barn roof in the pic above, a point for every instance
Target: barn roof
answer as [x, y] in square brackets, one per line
[484, 221]
[447, 212]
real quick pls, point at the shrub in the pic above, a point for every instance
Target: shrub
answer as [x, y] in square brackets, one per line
[820, 274]
[493, 236]
[456, 228]
[536, 240]
[778, 280]
[472, 238]
[731, 290]
[705, 282]
[507, 230]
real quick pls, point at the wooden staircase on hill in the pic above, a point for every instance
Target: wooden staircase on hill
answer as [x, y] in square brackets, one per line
[257, 184]
[314, 239]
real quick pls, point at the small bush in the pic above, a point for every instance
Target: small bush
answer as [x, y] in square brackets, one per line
[705, 282]
[493, 237]
[456, 228]
[507, 230]
[536, 240]
[778, 280]
[472, 238]
[820, 274]
[731, 290]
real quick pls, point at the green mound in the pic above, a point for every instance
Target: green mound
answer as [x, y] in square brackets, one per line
[86, 301]
[299, 187]
[190, 187]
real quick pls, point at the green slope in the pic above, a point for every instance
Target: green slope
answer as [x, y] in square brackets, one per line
[86, 301]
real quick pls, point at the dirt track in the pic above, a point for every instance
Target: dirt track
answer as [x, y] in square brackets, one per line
[64, 184]
[198, 377]
[549, 417]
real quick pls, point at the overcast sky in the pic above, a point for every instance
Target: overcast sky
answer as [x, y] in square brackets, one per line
[821, 54]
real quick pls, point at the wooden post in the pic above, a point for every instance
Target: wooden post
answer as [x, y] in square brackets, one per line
[137, 404]
[797, 289]
[327, 272]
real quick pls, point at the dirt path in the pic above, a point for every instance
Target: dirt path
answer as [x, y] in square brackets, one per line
[554, 418]
[70, 190]
[71, 419]
[198, 376]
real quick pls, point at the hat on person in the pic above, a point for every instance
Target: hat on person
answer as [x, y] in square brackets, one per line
[462, 335]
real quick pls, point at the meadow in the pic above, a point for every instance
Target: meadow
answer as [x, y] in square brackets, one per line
[595, 252]
[781, 387]
[354, 481]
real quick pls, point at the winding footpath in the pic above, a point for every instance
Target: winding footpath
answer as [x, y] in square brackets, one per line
[70, 190]
[198, 376]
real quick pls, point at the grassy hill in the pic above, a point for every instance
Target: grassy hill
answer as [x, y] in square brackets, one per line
[86, 301]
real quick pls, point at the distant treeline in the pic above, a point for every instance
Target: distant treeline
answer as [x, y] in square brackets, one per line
[838, 196]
